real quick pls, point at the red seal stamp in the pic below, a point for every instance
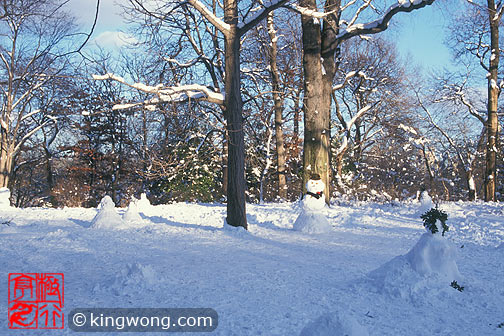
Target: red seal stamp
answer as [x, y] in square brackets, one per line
[36, 300]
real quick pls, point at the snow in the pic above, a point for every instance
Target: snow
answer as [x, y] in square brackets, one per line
[312, 219]
[332, 324]
[4, 198]
[143, 204]
[425, 203]
[357, 279]
[107, 216]
[434, 256]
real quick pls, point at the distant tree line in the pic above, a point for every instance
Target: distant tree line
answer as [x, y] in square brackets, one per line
[243, 104]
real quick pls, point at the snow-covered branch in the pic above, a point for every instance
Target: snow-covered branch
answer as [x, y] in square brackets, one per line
[26, 116]
[349, 125]
[167, 94]
[223, 27]
[499, 11]
[182, 65]
[442, 131]
[259, 15]
[379, 25]
[309, 12]
[21, 142]
[350, 75]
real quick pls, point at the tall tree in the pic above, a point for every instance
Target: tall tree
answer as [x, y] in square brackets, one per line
[35, 38]
[233, 27]
[321, 45]
[476, 38]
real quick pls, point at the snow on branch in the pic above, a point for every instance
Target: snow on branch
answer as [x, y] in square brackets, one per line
[350, 75]
[177, 93]
[223, 27]
[379, 25]
[50, 119]
[309, 12]
[259, 15]
[498, 12]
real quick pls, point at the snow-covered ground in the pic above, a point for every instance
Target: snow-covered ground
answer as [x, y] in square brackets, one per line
[271, 280]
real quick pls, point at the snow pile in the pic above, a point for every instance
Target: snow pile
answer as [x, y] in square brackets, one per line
[107, 216]
[4, 198]
[132, 278]
[143, 204]
[334, 324]
[311, 220]
[425, 203]
[131, 218]
[434, 256]
[430, 266]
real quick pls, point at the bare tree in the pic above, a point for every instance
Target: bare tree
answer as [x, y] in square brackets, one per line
[236, 22]
[322, 47]
[477, 34]
[35, 38]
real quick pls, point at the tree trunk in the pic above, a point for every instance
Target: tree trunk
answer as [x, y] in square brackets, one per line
[225, 155]
[319, 70]
[279, 137]
[236, 215]
[493, 95]
[50, 177]
[471, 187]
[6, 164]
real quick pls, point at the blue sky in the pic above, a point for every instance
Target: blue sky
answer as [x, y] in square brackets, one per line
[419, 35]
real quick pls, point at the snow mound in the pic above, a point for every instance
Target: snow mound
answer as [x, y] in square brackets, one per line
[425, 203]
[143, 204]
[236, 231]
[312, 222]
[132, 278]
[429, 266]
[107, 216]
[334, 324]
[131, 218]
[4, 198]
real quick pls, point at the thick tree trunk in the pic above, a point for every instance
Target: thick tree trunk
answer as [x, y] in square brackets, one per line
[493, 95]
[279, 137]
[236, 215]
[6, 164]
[319, 71]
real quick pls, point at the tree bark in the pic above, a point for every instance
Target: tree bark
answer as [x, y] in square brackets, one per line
[236, 215]
[319, 70]
[278, 105]
[224, 161]
[493, 95]
[6, 164]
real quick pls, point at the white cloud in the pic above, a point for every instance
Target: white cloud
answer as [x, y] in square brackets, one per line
[113, 39]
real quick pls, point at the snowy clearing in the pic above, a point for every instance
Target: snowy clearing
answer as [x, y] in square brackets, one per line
[271, 280]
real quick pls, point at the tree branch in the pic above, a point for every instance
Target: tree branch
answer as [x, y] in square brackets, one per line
[378, 25]
[259, 16]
